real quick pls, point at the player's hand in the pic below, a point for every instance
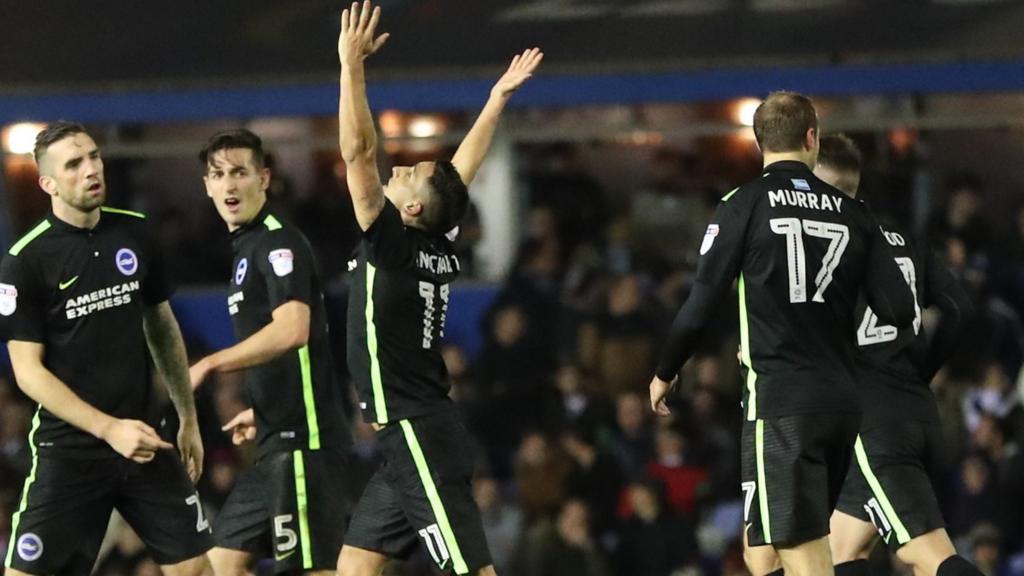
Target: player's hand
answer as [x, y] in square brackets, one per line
[242, 427]
[660, 389]
[519, 71]
[190, 444]
[358, 26]
[135, 440]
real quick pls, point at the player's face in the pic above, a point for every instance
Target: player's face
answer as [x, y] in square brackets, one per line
[237, 186]
[845, 180]
[409, 186]
[72, 172]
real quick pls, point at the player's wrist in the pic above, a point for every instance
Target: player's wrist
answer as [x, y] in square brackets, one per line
[104, 427]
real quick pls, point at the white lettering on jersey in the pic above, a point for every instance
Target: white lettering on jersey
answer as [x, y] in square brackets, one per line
[282, 260]
[233, 301]
[102, 299]
[438, 263]
[809, 200]
[8, 299]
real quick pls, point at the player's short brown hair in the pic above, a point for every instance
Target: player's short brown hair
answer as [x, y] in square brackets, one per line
[840, 153]
[781, 122]
[55, 133]
[449, 199]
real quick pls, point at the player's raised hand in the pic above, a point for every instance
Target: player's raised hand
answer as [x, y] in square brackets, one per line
[358, 26]
[135, 440]
[242, 427]
[190, 444]
[519, 71]
[660, 389]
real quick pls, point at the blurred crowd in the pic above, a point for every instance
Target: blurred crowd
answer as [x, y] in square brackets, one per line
[575, 476]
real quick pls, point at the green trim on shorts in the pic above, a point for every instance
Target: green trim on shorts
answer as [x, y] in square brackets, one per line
[303, 508]
[272, 223]
[459, 563]
[762, 486]
[308, 399]
[902, 536]
[123, 212]
[24, 493]
[27, 238]
[379, 406]
[745, 353]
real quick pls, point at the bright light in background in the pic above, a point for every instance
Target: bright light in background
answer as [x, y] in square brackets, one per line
[745, 109]
[391, 123]
[21, 138]
[425, 127]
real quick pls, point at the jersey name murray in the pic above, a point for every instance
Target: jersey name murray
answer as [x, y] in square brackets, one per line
[102, 299]
[808, 199]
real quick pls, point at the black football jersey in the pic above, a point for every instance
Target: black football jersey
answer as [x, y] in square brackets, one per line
[400, 284]
[296, 397]
[82, 294]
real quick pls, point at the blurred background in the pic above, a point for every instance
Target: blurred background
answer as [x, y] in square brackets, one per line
[582, 240]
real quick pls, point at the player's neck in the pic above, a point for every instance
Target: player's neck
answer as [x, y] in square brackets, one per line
[801, 156]
[74, 216]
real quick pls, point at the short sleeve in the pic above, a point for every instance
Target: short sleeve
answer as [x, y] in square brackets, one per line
[387, 242]
[22, 304]
[156, 287]
[286, 263]
[721, 251]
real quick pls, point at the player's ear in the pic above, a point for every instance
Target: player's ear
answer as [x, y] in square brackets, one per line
[48, 184]
[413, 208]
[811, 139]
[264, 179]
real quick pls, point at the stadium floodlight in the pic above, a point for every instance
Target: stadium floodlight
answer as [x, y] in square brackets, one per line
[425, 127]
[744, 111]
[21, 138]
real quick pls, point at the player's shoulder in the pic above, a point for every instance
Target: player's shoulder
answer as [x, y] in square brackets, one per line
[27, 245]
[280, 232]
[126, 221]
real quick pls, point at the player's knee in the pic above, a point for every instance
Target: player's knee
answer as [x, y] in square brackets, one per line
[198, 566]
[957, 566]
[486, 571]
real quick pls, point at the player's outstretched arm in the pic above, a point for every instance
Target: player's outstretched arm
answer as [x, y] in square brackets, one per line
[474, 147]
[356, 133]
[129, 438]
[163, 336]
[287, 331]
[945, 293]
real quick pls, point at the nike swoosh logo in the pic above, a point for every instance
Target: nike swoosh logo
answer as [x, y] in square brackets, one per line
[283, 557]
[64, 285]
[888, 537]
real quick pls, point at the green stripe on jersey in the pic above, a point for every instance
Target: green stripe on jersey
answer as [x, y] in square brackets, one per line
[24, 492]
[272, 223]
[302, 500]
[124, 212]
[459, 563]
[745, 353]
[308, 399]
[32, 235]
[730, 194]
[762, 485]
[902, 536]
[371, 345]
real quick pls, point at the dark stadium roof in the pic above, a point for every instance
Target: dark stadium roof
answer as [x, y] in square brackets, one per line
[57, 45]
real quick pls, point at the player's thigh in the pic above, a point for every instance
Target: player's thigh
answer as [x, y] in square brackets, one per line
[789, 471]
[901, 500]
[308, 508]
[851, 538]
[159, 502]
[60, 521]
[811, 558]
[760, 560]
[195, 566]
[430, 466]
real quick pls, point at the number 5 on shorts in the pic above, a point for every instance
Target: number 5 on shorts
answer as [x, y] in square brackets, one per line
[285, 539]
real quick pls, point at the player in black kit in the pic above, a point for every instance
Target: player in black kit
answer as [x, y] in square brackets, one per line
[800, 251]
[82, 297]
[397, 305]
[888, 492]
[290, 505]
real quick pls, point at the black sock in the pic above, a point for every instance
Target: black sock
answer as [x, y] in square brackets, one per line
[853, 568]
[957, 566]
[778, 572]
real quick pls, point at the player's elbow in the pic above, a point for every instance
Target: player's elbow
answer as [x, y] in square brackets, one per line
[297, 336]
[358, 149]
